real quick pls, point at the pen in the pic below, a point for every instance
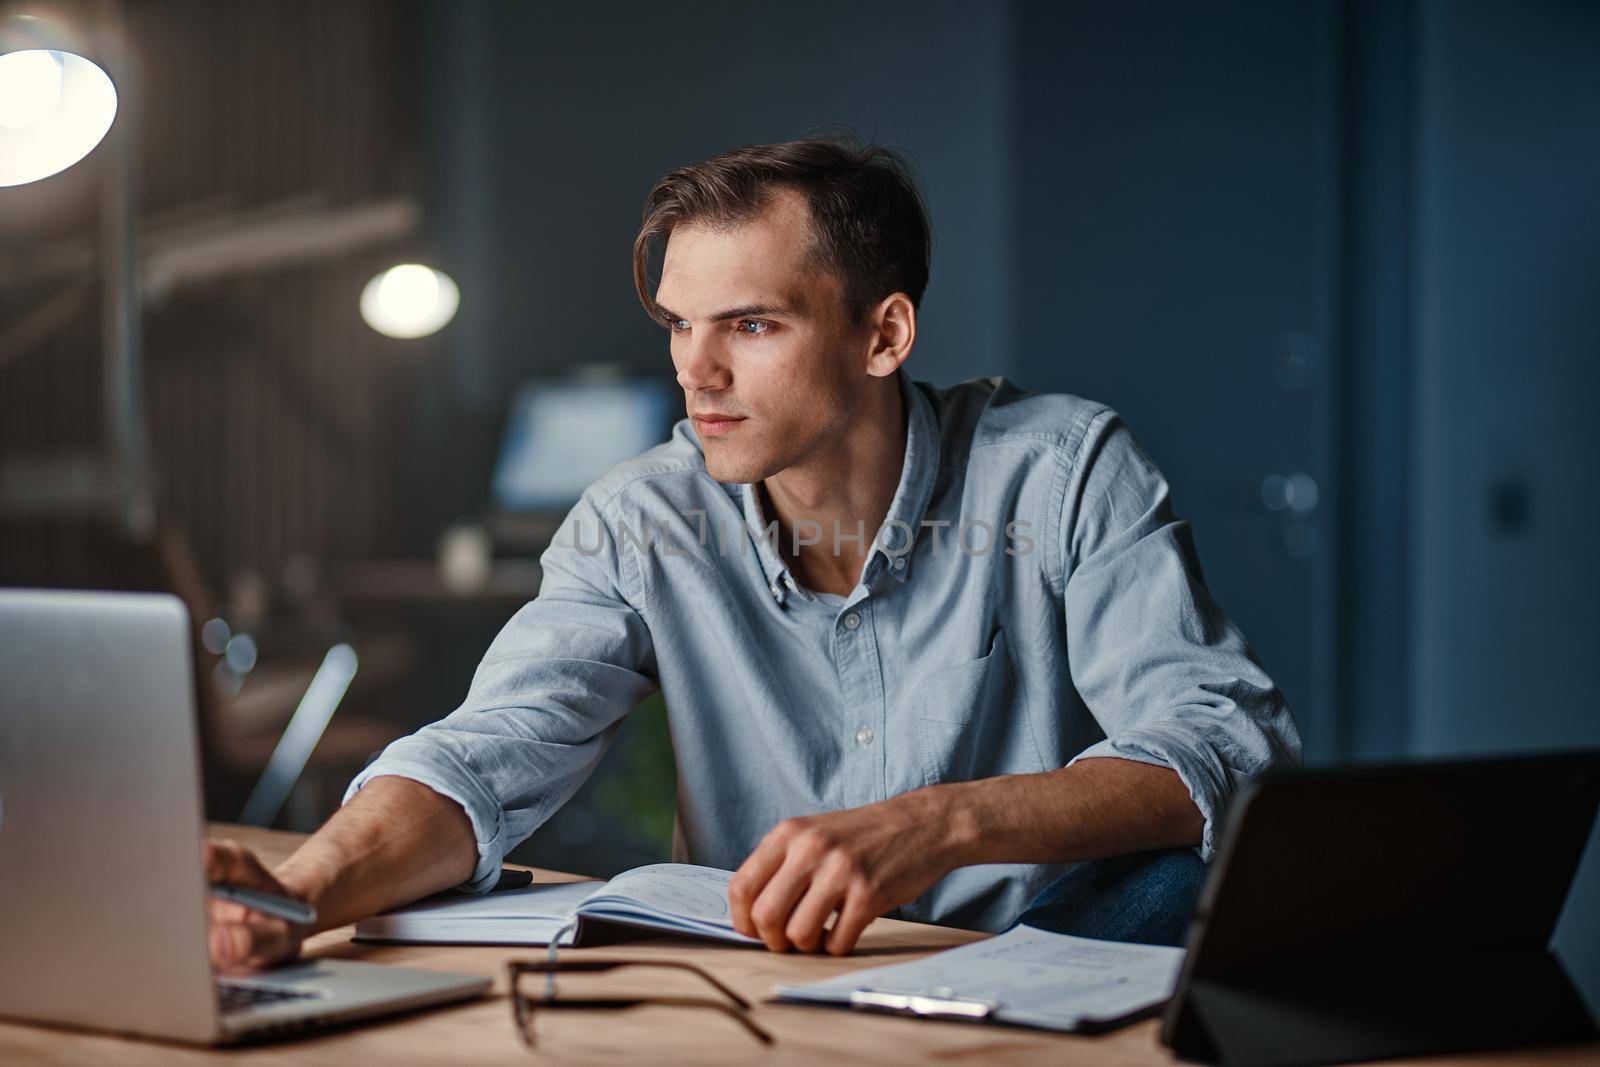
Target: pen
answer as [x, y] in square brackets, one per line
[267, 903]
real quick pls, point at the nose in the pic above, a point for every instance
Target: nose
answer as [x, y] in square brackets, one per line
[701, 367]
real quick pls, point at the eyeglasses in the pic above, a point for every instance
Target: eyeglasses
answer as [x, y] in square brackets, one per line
[522, 1003]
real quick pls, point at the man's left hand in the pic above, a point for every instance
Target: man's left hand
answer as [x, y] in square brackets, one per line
[859, 863]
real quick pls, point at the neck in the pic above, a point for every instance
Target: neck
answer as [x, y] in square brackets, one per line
[847, 488]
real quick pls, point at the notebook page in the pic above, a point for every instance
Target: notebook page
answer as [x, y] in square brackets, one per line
[545, 900]
[671, 895]
[515, 916]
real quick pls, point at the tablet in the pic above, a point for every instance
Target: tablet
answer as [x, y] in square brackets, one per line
[1386, 910]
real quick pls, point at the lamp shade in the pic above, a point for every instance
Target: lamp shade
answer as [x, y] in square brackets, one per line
[56, 102]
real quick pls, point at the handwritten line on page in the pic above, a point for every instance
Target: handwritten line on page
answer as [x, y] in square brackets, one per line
[1031, 977]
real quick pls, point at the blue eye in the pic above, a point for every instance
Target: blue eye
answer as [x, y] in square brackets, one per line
[753, 327]
[678, 325]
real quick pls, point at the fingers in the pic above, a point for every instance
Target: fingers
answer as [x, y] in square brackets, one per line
[229, 863]
[795, 880]
[771, 910]
[752, 877]
[255, 941]
[241, 938]
[226, 911]
[853, 918]
[807, 925]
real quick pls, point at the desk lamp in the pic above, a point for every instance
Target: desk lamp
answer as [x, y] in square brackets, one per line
[56, 101]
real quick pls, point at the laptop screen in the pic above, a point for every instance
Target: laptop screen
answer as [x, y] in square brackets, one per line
[561, 436]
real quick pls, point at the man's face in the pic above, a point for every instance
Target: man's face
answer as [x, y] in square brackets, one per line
[760, 335]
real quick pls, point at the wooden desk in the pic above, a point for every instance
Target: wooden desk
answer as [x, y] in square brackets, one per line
[480, 1032]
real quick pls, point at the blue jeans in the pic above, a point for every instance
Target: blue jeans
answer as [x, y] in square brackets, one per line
[1146, 897]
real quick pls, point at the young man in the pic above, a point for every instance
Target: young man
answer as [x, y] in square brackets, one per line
[922, 649]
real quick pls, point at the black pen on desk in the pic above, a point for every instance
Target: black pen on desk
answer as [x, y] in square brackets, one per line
[267, 903]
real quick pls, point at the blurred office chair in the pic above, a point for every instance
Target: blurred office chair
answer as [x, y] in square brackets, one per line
[278, 731]
[306, 727]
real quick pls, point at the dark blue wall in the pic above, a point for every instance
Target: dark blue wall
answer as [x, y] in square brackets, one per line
[1177, 215]
[1408, 191]
[1505, 579]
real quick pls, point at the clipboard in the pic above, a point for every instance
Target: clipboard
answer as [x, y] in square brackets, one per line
[1073, 984]
[946, 1005]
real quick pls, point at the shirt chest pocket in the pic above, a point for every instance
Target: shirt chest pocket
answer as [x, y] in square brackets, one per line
[970, 722]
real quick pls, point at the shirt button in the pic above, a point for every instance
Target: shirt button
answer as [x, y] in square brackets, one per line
[864, 736]
[851, 621]
[899, 563]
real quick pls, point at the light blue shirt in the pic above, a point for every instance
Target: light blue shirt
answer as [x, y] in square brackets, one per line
[1030, 600]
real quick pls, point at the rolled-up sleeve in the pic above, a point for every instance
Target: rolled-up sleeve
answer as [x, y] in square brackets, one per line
[546, 700]
[1169, 678]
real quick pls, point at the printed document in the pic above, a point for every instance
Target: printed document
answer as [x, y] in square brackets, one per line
[1029, 977]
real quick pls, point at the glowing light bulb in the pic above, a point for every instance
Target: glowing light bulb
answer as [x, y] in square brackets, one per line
[30, 88]
[409, 300]
[55, 107]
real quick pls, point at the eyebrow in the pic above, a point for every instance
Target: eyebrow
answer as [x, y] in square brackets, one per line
[743, 311]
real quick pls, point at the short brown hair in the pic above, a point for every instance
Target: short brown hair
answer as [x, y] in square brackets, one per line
[869, 224]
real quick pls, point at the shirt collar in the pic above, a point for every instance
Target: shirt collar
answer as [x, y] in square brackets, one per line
[902, 524]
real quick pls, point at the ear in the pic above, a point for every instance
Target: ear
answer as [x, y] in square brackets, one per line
[894, 330]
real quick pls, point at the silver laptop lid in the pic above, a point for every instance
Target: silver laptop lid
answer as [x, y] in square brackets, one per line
[102, 896]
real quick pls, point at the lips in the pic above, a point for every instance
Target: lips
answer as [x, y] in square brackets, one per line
[715, 423]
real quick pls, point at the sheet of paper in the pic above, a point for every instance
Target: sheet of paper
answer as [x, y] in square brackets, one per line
[1037, 978]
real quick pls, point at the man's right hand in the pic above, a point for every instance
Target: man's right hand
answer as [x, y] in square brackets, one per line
[242, 938]
[395, 842]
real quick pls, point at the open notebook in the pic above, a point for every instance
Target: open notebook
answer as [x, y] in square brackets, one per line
[676, 898]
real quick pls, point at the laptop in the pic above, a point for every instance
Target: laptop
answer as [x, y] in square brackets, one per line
[1389, 910]
[103, 900]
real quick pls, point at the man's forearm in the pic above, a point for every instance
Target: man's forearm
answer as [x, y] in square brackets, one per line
[1092, 809]
[397, 840]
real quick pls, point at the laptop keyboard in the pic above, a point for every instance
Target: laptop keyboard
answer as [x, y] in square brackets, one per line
[237, 996]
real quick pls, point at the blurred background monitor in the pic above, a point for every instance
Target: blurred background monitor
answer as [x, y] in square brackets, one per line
[562, 435]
